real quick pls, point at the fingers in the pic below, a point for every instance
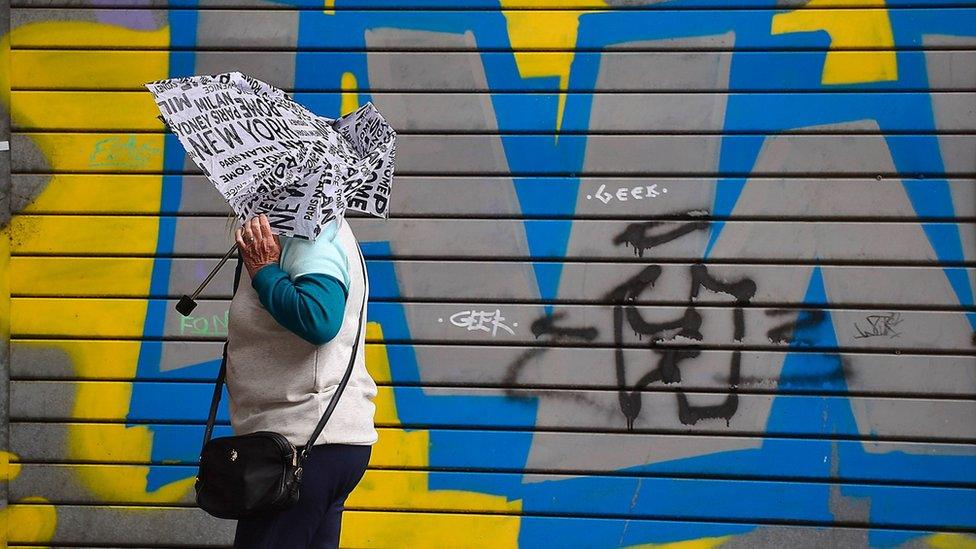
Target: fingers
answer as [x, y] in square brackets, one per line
[257, 244]
[265, 227]
[254, 226]
[239, 238]
[256, 232]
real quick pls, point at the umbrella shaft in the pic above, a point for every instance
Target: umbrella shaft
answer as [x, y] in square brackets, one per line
[214, 271]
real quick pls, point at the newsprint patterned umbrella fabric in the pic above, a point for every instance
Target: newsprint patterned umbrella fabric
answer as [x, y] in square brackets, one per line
[265, 153]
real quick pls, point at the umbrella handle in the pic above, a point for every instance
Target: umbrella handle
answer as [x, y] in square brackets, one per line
[187, 302]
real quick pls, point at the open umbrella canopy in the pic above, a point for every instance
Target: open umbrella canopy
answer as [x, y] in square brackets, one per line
[265, 153]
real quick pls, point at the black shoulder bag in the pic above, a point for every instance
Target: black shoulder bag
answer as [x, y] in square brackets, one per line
[260, 472]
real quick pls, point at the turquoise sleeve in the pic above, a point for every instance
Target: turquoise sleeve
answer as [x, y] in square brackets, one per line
[323, 255]
[312, 306]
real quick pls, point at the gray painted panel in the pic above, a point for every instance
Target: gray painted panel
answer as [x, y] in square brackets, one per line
[420, 112]
[140, 526]
[276, 68]
[470, 154]
[739, 241]
[45, 442]
[250, 30]
[949, 70]
[421, 71]
[513, 366]
[910, 330]
[82, 524]
[58, 484]
[512, 281]
[151, 19]
[588, 410]
[612, 197]
[260, 29]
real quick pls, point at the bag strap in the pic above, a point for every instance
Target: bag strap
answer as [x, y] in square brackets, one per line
[345, 377]
[218, 385]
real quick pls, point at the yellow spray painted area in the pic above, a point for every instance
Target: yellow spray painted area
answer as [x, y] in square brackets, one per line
[555, 29]
[848, 29]
[45, 34]
[91, 110]
[33, 523]
[98, 194]
[703, 543]
[412, 449]
[349, 100]
[36, 523]
[47, 69]
[951, 541]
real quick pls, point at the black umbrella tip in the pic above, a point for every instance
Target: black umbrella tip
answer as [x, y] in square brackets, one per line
[186, 305]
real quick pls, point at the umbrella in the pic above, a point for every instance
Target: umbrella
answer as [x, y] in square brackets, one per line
[267, 154]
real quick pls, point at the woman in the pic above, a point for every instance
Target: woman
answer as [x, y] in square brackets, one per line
[289, 337]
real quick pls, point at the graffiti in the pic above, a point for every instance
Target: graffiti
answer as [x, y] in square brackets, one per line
[879, 326]
[122, 152]
[831, 57]
[623, 194]
[786, 332]
[484, 321]
[646, 235]
[840, 371]
[666, 360]
[545, 325]
[214, 325]
[667, 368]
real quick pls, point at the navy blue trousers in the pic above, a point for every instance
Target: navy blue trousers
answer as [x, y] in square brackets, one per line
[330, 473]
